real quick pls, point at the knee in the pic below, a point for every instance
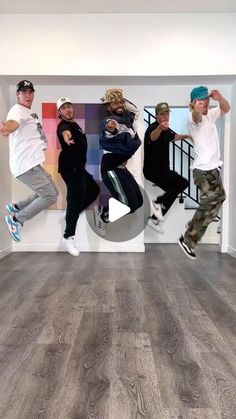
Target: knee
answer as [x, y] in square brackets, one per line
[223, 196]
[52, 197]
[137, 205]
[184, 184]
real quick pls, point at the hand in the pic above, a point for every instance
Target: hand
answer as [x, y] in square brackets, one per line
[215, 95]
[69, 141]
[3, 129]
[67, 137]
[200, 106]
[164, 125]
[112, 125]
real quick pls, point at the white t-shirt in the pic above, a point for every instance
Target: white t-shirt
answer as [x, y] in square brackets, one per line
[205, 140]
[28, 142]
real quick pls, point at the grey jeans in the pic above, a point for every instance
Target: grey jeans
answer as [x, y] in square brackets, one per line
[45, 194]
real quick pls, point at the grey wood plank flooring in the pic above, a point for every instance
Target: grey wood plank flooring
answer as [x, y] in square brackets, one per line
[118, 336]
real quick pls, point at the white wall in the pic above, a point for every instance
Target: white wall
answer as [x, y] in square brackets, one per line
[44, 231]
[232, 176]
[5, 176]
[132, 44]
[116, 45]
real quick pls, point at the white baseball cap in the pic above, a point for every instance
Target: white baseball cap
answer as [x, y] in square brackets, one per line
[62, 101]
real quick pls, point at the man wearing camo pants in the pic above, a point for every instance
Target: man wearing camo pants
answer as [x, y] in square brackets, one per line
[206, 166]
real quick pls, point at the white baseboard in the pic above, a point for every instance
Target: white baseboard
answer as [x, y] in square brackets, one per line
[166, 238]
[5, 252]
[105, 247]
[231, 251]
[223, 248]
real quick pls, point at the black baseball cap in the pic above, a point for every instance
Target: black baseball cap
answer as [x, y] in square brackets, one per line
[24, 85]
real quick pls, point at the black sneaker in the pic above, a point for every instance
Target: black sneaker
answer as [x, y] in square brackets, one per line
[186, 249]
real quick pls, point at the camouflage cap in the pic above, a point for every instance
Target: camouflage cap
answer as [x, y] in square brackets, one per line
[161, 108]
[112, 95]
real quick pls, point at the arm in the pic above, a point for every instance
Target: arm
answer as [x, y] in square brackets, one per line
[67, 137]
[196, 116]
[155, 134]
[129, 106]
[8, 127]
[120, 143]
[223, 103]
[112, 126]
[182, 137]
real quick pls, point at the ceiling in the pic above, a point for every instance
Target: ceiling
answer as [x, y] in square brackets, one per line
[118, 6]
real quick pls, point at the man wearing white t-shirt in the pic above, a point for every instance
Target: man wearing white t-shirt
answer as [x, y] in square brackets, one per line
[27, 143]
[206, 172]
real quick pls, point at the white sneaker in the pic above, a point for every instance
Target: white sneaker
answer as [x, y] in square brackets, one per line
[99, 223]
[70, 246]
[157, 210]
[156, 225]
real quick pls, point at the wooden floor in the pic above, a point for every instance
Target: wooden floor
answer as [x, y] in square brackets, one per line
[118, 336]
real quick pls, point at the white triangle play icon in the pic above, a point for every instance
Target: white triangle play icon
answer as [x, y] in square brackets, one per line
[116, 209]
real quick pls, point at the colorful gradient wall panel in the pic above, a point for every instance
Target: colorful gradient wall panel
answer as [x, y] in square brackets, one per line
[89, 117]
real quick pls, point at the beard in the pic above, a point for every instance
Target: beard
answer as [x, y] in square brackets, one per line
[119, 111]
[69, 117]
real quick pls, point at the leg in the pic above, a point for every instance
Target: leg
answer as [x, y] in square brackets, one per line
[133, 192]
[124, 188]
[212, 195]
[25, 202]
[173, 184]
[75, 183]
[91, 191]
[45, 193]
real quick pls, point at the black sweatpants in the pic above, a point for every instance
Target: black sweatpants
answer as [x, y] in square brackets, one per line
[82, 190]
[123, 187]
[172, 183]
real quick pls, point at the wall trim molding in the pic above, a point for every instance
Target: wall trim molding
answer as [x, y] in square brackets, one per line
[117, 247]
[5, 252]
[168, 239]
[231, 251]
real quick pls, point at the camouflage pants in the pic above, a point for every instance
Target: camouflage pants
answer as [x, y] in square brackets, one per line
[212, 195]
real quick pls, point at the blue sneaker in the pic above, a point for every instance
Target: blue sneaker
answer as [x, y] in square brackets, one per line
[11, 209]
[13, 227]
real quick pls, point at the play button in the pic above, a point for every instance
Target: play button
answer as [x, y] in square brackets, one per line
[123, 224]
[117, 209]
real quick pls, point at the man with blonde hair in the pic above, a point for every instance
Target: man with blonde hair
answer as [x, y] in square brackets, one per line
[207, 162]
